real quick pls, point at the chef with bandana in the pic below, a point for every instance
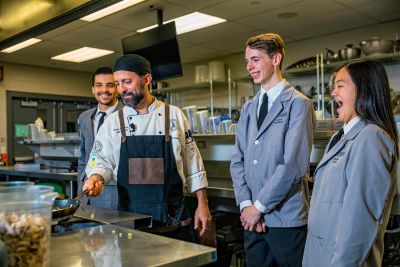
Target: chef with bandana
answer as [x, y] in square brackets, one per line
[148, 148]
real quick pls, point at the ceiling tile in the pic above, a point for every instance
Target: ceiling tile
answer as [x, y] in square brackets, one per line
[88, 34]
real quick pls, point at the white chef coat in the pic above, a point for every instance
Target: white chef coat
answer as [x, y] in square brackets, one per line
[104, 157]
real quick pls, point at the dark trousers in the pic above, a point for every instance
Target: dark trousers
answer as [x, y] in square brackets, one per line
[278, 247]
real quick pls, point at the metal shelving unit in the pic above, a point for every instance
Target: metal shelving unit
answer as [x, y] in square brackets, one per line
[387, 58]
[210, 85]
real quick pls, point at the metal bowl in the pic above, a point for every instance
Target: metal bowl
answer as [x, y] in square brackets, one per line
[375, 46]
[349, 52]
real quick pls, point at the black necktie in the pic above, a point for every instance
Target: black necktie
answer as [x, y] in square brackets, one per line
[263, 110]
[101, 120]
[336, 138]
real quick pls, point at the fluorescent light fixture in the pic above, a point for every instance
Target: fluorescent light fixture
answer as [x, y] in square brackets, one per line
[82, 54]
[21, 45]
[111, 9]
[190, 22]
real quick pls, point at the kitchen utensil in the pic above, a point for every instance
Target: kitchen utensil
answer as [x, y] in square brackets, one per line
[375, 46]
[304, 63]
[233, 128]
[201, 118]
[330, 56]
[33, 132]
[349, 52]
[25, 214]
[224, 126]
[213, 124]
[63, 209]
[190, 112]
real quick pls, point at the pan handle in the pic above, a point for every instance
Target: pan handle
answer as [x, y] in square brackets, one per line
[81, 194]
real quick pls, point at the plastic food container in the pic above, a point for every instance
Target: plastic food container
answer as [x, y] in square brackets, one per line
[25, 222]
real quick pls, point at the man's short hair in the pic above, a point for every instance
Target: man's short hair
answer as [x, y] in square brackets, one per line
[101, 70]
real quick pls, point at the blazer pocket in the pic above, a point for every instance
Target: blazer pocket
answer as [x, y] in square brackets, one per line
[146, 171]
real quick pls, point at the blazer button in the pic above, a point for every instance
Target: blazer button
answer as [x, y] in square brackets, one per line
[254, 161]
[256, 142]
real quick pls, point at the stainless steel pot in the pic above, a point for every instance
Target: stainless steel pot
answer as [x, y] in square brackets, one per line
[349, 52]
[375, 46]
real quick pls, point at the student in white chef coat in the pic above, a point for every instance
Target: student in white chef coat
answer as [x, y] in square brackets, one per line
[148, 148]
[270, 164]
[354, 183]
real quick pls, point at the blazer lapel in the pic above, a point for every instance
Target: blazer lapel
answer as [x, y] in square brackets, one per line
[276, 109]
[341, 144]
[91, 132]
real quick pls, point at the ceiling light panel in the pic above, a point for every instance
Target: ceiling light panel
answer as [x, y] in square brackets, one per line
[190, 22]
[82, 54]
[111, 9]
[21, 45]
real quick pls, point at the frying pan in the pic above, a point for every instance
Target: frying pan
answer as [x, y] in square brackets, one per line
[63, 209]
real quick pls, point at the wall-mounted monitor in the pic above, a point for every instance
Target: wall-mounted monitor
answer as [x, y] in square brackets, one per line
[160, 47]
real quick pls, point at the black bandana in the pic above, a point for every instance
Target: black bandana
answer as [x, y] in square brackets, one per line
[134, 63]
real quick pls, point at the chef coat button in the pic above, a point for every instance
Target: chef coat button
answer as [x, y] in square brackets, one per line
[256, 142]
[255, 161]
[160, 132]
[159, 114]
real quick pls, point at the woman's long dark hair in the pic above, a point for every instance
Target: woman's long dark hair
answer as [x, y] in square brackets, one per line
[373, 103]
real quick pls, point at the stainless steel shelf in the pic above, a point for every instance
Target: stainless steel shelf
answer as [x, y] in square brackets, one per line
[389, 58]
[204, 85]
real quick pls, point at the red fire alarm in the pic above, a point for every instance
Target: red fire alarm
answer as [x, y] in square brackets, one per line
[1, 73]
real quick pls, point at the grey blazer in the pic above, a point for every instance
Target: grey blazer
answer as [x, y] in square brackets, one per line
[271, 164]
[354, 185]
[109, 197]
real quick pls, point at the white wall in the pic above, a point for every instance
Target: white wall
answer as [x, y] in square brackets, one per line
[23, 78]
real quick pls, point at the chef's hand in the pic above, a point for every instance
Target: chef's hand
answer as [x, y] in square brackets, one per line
[202, 216]
[250, 217]
[94, 184]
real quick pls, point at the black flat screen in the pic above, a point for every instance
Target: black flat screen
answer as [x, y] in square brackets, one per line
[160, 47]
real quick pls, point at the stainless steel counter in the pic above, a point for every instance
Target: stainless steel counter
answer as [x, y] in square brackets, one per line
[110, 245]
[110, 216]
[50, 174]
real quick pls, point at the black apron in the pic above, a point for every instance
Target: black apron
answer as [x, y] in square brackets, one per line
[148, 179]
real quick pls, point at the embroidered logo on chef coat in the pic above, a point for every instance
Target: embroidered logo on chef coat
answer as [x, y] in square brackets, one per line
[173, 125]
[93, 159]
[97, 146]
[189, 137]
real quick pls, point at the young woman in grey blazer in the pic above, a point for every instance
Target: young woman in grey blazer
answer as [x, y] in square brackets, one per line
[354, 183]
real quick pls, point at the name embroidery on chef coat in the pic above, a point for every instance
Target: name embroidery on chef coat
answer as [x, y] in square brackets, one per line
[173, 125]
[97, 146]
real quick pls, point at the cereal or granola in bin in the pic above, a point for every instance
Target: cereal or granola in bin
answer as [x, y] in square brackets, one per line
[26, 237]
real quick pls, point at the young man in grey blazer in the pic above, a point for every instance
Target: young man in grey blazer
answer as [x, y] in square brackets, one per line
[105, 92]
[270, 164]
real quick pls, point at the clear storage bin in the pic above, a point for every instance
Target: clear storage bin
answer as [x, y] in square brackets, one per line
[25, 222]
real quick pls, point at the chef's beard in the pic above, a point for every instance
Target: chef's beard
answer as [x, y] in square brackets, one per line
[136, 98]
